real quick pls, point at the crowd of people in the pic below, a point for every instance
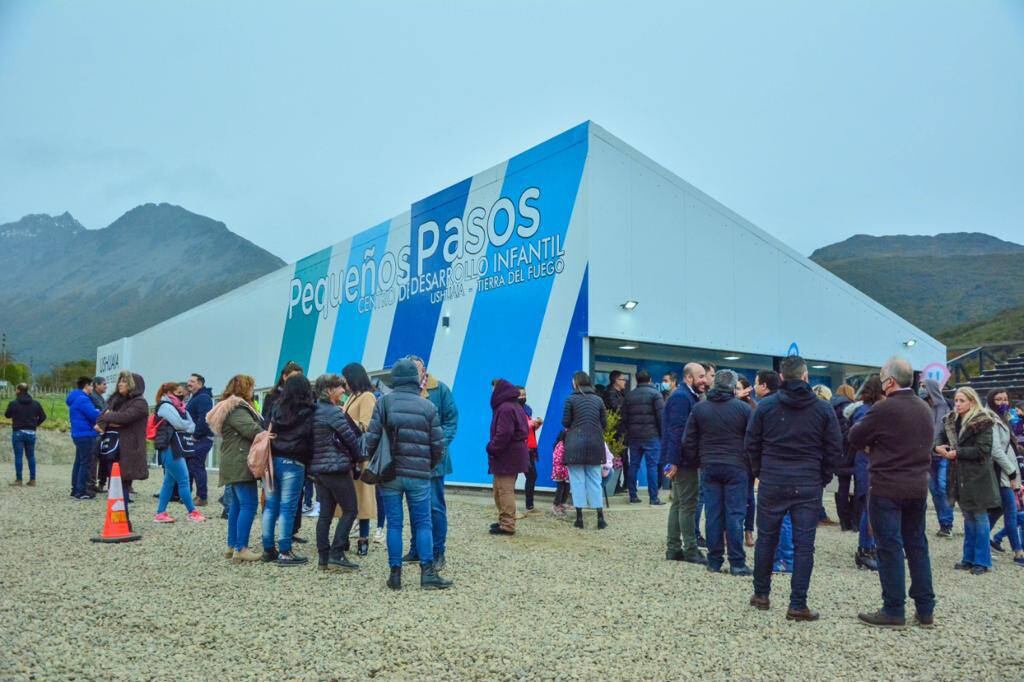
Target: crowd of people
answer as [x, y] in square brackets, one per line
[707, 438]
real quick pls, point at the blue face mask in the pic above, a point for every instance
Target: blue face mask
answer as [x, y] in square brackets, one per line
[665, 386]
[922, 393]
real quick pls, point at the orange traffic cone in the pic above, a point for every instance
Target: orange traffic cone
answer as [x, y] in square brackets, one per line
[116, 527]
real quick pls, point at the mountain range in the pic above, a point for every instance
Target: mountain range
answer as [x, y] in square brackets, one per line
[959, 287]
[69, 289]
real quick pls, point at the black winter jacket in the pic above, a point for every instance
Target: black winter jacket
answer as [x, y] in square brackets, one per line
[25, 413]
[294, 434]
[793, 438]
[641, 413]
[335, 444]
[584, 417]
[417, 441]
[715, 432]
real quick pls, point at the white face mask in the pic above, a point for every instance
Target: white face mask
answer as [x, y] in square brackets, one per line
[666, 386]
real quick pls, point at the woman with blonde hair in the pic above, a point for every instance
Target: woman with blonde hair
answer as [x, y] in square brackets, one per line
[359, 407]
[823, 392]
[235, 419]
[966, 441]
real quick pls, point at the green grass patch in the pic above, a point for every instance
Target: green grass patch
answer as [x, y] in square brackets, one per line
[53, 405]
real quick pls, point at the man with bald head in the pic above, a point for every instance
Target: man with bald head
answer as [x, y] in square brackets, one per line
[897, 434]
[682, 514]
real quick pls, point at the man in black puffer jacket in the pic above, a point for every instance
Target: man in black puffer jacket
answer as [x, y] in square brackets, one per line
[335, 452]
[714, 442]
[794, 443]
[641, 416]
[417, 446]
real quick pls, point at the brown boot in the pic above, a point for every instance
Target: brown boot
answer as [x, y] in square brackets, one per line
[804, 614]
[18, 482]
[31, 483]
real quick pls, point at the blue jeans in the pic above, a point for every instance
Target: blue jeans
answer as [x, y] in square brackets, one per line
[725, 499]
[241, 500]
[866, 539]
[1009, 511]
[83, 461]
[784, 553]
[25, 442]
[281, 504]
[802, 504]
[648, 450]
[998, 537]
[899, 527]
[417, 491]
[175, 477]
[438, 518]
[937, 487]
[977, 551]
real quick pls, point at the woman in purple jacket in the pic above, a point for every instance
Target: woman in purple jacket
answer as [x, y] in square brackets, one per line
[507, 454]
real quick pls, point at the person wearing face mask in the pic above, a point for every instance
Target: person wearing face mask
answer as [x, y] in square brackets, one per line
[669, 383]
[507, 452]
[966, 442]
[930, 392]
[531, 445]
[1005, 456]
[172, 418]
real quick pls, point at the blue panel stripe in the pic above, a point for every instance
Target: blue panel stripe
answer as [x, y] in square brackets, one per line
[505, 324]
[352, 327]
[571, 362]
[300, 329]
[416, 317]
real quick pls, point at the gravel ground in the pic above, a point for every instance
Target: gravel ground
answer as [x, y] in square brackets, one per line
[551, 603]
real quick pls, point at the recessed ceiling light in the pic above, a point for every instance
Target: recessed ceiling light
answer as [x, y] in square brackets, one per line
[731, 357]
[628, 346]
[629, 305]
[819, 366]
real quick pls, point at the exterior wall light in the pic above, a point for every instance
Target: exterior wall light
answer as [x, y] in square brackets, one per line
[629, 305]
[731, 357]
[819, 366]
[446, 321]
[628, 346]
[910, 343]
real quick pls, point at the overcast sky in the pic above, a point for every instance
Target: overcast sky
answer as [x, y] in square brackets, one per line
[299, 124]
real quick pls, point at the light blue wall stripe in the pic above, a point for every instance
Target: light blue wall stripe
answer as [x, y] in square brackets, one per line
[352, 327]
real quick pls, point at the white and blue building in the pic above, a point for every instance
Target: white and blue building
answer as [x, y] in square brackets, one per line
[580, 253]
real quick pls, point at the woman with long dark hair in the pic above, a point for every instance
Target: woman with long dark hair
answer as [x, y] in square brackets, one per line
[359, 407]
[1004, 453]
[291, 421]
[584, 418]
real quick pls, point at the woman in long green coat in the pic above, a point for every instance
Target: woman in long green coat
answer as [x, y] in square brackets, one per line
[236, 421]
[966, 441]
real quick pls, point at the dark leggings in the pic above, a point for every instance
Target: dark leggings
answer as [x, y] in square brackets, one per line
[531, 479]
[335, 489]
[561, 492]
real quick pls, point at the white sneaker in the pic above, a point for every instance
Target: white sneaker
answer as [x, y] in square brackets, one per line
[378, 535]
[313, 511]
